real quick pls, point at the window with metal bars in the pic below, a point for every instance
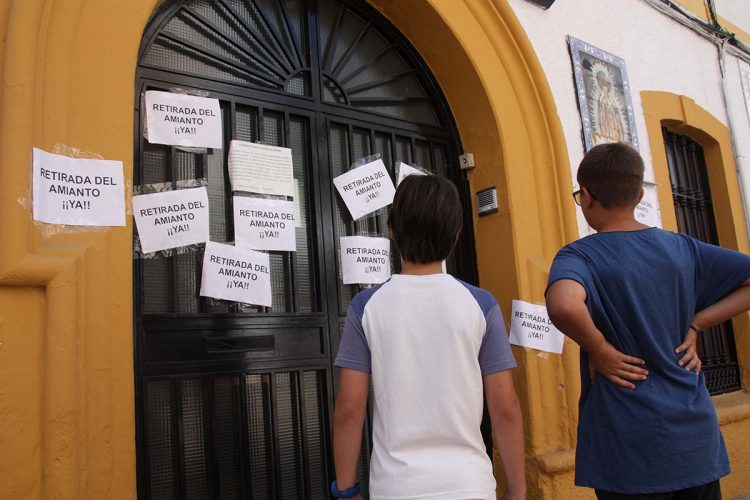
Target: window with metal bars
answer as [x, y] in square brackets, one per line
[691, 194]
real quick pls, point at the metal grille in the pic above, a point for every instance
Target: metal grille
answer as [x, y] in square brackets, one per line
[254, 44]
[347, 145]
[171, 284]
[366, 70]
[265, 44]
[691, 194]
[230, 434]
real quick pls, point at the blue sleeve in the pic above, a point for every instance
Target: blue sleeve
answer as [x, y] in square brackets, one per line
[354, 352]
[568, 265]
[719, 271]
[495, 354]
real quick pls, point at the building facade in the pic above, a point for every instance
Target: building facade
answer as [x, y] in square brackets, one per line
[117, 379]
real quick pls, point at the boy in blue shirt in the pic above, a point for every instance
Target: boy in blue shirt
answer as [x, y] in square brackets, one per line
[635, 298]
[430, 344]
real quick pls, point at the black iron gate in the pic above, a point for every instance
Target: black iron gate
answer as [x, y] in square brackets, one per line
[233, 400]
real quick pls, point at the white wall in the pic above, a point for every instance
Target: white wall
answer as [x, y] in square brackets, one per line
[737, 11]
[659, 53]
[738, 107]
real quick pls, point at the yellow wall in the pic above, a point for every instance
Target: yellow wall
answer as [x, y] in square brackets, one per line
[696, 7]
[700, 10]
[66, 351]
[20, 393]
[734, 418]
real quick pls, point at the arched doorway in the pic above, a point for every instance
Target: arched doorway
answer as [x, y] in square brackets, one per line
[234, 401]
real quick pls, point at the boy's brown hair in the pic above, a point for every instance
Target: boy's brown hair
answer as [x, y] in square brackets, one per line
[425, 218]
[613, 174]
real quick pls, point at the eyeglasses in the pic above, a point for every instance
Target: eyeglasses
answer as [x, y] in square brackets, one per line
[577, 196]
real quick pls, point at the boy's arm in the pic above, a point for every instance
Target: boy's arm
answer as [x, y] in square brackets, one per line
[507, 423]
[348, 421]
[566, 305]
[726, 308]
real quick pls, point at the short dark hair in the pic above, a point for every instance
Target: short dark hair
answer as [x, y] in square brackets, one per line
[425, 218]
[613, 173]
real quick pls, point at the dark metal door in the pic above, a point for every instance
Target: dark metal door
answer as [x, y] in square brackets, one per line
[234, 400]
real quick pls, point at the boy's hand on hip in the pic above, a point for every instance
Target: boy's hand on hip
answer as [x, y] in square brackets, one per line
[618, 368]
[690, 360]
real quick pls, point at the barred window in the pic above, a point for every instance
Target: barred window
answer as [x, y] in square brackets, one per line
[691, 194]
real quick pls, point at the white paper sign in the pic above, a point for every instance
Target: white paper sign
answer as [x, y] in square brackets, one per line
[405, 171]
[77, 192]
[183, 120]
[258, 168]
[530, 326]
[237, 274]
[171, 219]
[647, 211]
[365, 189]
[264, 224]
[365, 260]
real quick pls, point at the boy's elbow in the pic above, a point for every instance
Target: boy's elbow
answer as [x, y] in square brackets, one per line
[559, 310]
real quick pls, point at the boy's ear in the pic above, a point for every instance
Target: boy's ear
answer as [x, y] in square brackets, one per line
[586, 200]
[640, 197]
[391, 233]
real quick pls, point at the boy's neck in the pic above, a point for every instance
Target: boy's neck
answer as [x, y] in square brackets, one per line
[617, 220]
[416, 269]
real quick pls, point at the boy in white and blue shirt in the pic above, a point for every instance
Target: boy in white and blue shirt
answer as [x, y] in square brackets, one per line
[433, 346]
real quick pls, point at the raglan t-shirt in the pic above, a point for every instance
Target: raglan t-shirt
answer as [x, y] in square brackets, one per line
[427, 341]
[643, 289]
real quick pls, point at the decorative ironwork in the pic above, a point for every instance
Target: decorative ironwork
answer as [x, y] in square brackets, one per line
[268, 45]
[691, 194]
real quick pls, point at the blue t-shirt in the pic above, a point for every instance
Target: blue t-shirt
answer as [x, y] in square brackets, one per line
[642, 290]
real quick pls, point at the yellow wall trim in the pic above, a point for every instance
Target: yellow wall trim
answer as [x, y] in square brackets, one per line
[682, 115]
[66, 350]
[697, 7]
[739, 33]
[733, 407]
[557, 462]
